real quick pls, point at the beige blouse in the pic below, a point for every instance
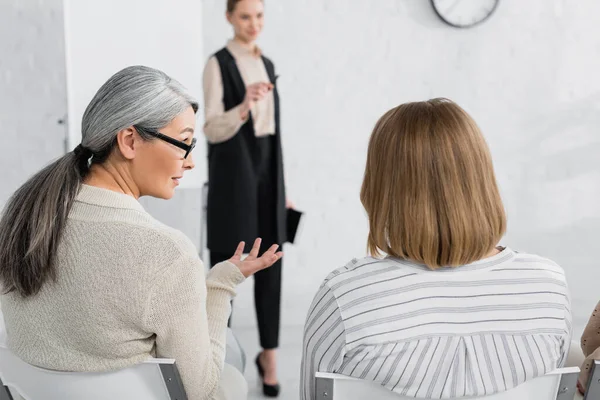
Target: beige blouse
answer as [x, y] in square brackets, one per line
[221, 125]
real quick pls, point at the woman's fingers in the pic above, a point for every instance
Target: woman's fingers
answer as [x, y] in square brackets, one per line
[258, 91]
[278, 256]
[275, 257]
[261, 85]
[239, 251]
[251, 264]
[266, 261]
[256, 96]
[273, 248]
[255, 248]
[270, 256]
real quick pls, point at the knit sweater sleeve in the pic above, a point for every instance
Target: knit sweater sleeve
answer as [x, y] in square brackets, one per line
[188, 314]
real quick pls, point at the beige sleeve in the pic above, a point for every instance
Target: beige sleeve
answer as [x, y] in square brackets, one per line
[590, 340]
[219, 125]
[188, 313]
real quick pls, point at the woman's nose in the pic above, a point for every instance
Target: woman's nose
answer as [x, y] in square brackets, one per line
[188, 163]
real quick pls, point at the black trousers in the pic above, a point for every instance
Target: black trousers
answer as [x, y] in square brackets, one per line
[267, 283]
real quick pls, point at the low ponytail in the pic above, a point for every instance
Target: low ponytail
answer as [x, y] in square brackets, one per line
[35, 216]
[32, 224]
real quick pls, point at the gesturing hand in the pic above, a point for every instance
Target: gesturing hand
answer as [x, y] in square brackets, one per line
[252, 264]
[254, 93]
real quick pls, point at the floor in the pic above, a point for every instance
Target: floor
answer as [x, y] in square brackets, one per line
[289, 359]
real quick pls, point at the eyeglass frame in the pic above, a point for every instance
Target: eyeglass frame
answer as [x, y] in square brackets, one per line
[178, 143]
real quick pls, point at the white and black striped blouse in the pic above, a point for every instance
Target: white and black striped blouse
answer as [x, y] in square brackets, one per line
[474, 330]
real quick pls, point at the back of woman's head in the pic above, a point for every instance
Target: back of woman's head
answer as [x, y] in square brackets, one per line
[429, 187]
[35, 216]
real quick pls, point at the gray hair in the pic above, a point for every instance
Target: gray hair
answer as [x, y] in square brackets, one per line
[35, 215]
[136, 95]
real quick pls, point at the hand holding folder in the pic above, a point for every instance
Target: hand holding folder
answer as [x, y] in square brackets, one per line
[293, 220]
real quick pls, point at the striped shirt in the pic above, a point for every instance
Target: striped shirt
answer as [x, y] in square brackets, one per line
[475, 330]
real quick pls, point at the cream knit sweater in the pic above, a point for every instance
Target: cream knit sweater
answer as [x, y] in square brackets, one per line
[128, 288]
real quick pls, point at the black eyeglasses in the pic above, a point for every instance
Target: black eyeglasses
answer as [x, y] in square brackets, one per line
[182, 145]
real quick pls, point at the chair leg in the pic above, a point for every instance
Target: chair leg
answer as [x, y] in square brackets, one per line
[4, 392]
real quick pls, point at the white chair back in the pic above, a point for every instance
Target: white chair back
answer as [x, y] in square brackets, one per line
[556, 385]
[155, 379]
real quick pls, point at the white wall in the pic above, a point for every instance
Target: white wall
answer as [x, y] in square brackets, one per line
[105, 36]
[32, 89]
[529, 76]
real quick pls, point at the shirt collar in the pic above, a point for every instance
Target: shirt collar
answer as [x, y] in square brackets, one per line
[107, 198]
[239, 51]
[506, 255]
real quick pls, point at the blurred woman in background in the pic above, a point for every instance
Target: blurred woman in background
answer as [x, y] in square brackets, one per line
[246, 192]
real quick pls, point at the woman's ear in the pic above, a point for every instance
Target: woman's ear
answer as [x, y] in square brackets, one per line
[127, 142]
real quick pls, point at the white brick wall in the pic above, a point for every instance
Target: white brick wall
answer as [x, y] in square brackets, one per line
[32, 89]
[529, 76]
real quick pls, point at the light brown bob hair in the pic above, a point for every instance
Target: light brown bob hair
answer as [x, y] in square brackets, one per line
[429, 187]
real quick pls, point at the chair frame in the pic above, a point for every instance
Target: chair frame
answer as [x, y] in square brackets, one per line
[173, 381]
[566, 388]
[168, 370]
[4, 392]
[592, 390]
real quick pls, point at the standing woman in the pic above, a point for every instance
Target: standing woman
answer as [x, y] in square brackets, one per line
[246, 194]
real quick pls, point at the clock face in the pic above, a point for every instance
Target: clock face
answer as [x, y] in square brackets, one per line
[464, 13]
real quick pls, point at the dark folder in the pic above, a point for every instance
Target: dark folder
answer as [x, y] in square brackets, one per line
[293, 220]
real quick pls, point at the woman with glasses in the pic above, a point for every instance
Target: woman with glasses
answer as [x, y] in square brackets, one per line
[246, 193]
[91, 282]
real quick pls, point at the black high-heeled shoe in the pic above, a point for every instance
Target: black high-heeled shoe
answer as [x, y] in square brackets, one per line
[268, 390]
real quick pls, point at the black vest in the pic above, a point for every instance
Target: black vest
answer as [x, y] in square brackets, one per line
[232, 208]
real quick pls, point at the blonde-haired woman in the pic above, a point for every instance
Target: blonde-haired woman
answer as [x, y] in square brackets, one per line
[246, 186]
[447, 313]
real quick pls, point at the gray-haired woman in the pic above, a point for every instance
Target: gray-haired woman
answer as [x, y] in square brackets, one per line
[91, 281]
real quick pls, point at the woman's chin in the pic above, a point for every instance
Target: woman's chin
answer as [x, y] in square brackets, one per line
[169, 194]
[165, 193]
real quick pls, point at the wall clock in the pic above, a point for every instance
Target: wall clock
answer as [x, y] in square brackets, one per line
[464, 13]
